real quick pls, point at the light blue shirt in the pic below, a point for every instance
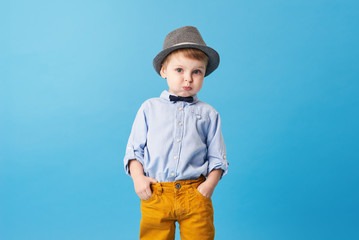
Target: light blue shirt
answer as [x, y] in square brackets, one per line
[176, 140]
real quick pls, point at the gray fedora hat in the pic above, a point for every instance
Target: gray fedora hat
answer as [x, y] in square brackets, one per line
[186, 37]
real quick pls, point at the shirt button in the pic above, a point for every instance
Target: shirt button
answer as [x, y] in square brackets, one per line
[178, 139]
[180, 123]
[199, 116]
[175, 157]
[224, 157]
[180, 109]
[172, 174]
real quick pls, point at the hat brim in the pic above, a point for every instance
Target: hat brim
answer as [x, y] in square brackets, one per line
[213, 57]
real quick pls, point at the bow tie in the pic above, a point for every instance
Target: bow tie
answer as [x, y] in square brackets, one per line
[185, 99]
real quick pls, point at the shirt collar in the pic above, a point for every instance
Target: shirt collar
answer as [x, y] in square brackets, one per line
[166, 96]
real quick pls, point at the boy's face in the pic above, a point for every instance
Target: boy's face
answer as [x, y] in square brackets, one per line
[184, 75]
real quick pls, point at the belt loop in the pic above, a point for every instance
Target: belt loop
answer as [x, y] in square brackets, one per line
[159, 189]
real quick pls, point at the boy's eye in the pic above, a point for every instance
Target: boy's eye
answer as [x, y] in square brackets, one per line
[197, 72]
[179, 70]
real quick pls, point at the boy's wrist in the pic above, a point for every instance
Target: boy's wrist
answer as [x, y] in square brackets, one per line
[137, 175]
[136, 168]
[214, 176]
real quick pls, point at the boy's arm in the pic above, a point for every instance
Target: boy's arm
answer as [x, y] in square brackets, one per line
[216, 149]
[141, 182]
[207, 187]
[137, 140]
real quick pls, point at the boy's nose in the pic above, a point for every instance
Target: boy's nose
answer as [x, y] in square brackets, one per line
[188, 78]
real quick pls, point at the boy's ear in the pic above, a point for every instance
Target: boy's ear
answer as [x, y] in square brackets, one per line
[163, 72]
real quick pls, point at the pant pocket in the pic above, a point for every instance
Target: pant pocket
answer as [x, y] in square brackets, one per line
[195, 190]
[153, 196]
[200, 205]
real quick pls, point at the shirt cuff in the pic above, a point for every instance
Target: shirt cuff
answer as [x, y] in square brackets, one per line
[219, 164]
[131, 154]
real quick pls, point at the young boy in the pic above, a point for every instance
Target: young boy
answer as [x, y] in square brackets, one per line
[176, 153]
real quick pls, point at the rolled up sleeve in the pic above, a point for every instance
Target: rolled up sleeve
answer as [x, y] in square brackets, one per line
[137, 140]
[216, 149]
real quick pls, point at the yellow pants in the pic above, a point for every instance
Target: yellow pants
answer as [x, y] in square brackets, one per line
[177, 201]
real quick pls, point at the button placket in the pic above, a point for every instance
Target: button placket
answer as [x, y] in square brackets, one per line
[178, 134]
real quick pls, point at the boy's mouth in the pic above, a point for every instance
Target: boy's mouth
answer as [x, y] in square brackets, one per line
[187, 88]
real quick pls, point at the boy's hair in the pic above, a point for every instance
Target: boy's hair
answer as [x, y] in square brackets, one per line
[191, 53]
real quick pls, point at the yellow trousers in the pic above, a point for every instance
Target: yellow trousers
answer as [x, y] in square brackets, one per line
[177, 201]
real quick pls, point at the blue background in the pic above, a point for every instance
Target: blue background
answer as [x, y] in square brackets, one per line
[74, 73]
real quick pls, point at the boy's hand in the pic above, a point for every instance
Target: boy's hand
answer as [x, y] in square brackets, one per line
[206, 189]
[143, 186]
[141, 182]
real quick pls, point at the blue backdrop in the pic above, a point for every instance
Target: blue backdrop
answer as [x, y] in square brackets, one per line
[74, 73]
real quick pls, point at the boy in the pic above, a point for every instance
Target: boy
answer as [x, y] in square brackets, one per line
[176, 142]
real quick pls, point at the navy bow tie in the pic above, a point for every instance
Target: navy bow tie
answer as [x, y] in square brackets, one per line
[185, 99]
